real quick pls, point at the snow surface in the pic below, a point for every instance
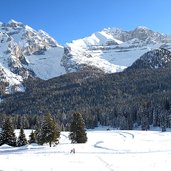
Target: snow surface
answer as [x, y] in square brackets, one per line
[112, 150]
[48, 65]
[12, 79]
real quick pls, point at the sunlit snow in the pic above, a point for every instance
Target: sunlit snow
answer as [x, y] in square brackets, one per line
[48, 65]
[112, 150]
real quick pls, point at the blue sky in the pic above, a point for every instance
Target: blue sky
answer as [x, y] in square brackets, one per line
[66, 20]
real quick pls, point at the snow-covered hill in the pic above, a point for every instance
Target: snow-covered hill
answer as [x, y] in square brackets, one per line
[112, 49]
[157, 58]
[26, 52]
[104, 151]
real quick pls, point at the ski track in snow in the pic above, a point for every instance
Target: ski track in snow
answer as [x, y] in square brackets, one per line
[97, 145]
[107, 165]
[114, 151]
[127, 133]
[20, 150]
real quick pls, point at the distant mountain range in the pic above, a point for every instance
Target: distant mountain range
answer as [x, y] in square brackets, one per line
[26, 53]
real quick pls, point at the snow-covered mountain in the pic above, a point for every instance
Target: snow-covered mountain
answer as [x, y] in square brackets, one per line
[113, 49]
[25, 52]
[157, 58]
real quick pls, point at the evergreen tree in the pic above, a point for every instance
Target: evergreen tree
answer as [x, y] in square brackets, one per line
[49, 131]
[38, 136]
[7, 135]
[163, 120]
[77, 129]
[145, 116]
[62, 127]
[21, 141]
[32, 138]
[38, 130]
[145, 122]
[166, 104]
[0, 139]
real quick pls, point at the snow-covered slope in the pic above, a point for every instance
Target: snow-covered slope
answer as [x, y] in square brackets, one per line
[26, 52]
[113, 150]
[112, 49]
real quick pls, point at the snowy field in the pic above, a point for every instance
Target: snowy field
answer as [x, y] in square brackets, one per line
[113, 150]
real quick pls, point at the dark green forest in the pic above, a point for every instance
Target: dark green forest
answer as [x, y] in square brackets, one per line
[135, 97]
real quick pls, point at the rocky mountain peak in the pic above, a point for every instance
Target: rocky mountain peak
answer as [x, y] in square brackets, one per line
[146, 34]
[14, 24]
[24, 53]
[113, 49]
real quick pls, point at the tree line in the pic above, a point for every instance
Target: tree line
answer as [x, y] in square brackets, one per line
[48, 131]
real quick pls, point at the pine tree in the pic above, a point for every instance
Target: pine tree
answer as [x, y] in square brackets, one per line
[32, 137]
[145, 121]
[145, 116]
[37, 131]
[7, 135]
[77, 129]
[163, 120]
[62, 127]
[21, 141]
[49, 131]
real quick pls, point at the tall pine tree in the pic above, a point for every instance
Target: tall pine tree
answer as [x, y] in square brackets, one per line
[77, 129]
[21, 141]
[32, 137]
[49, 131]
[7, 135]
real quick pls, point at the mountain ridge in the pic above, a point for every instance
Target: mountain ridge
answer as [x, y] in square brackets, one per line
[114, 49]
[25, 53]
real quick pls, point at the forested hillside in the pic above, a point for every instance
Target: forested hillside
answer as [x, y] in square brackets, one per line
[123, 100]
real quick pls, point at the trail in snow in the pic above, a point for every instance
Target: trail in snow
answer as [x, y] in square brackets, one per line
[97, 145]
[127, 133]
[107, 165]
[114, 151]
[21, 150]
